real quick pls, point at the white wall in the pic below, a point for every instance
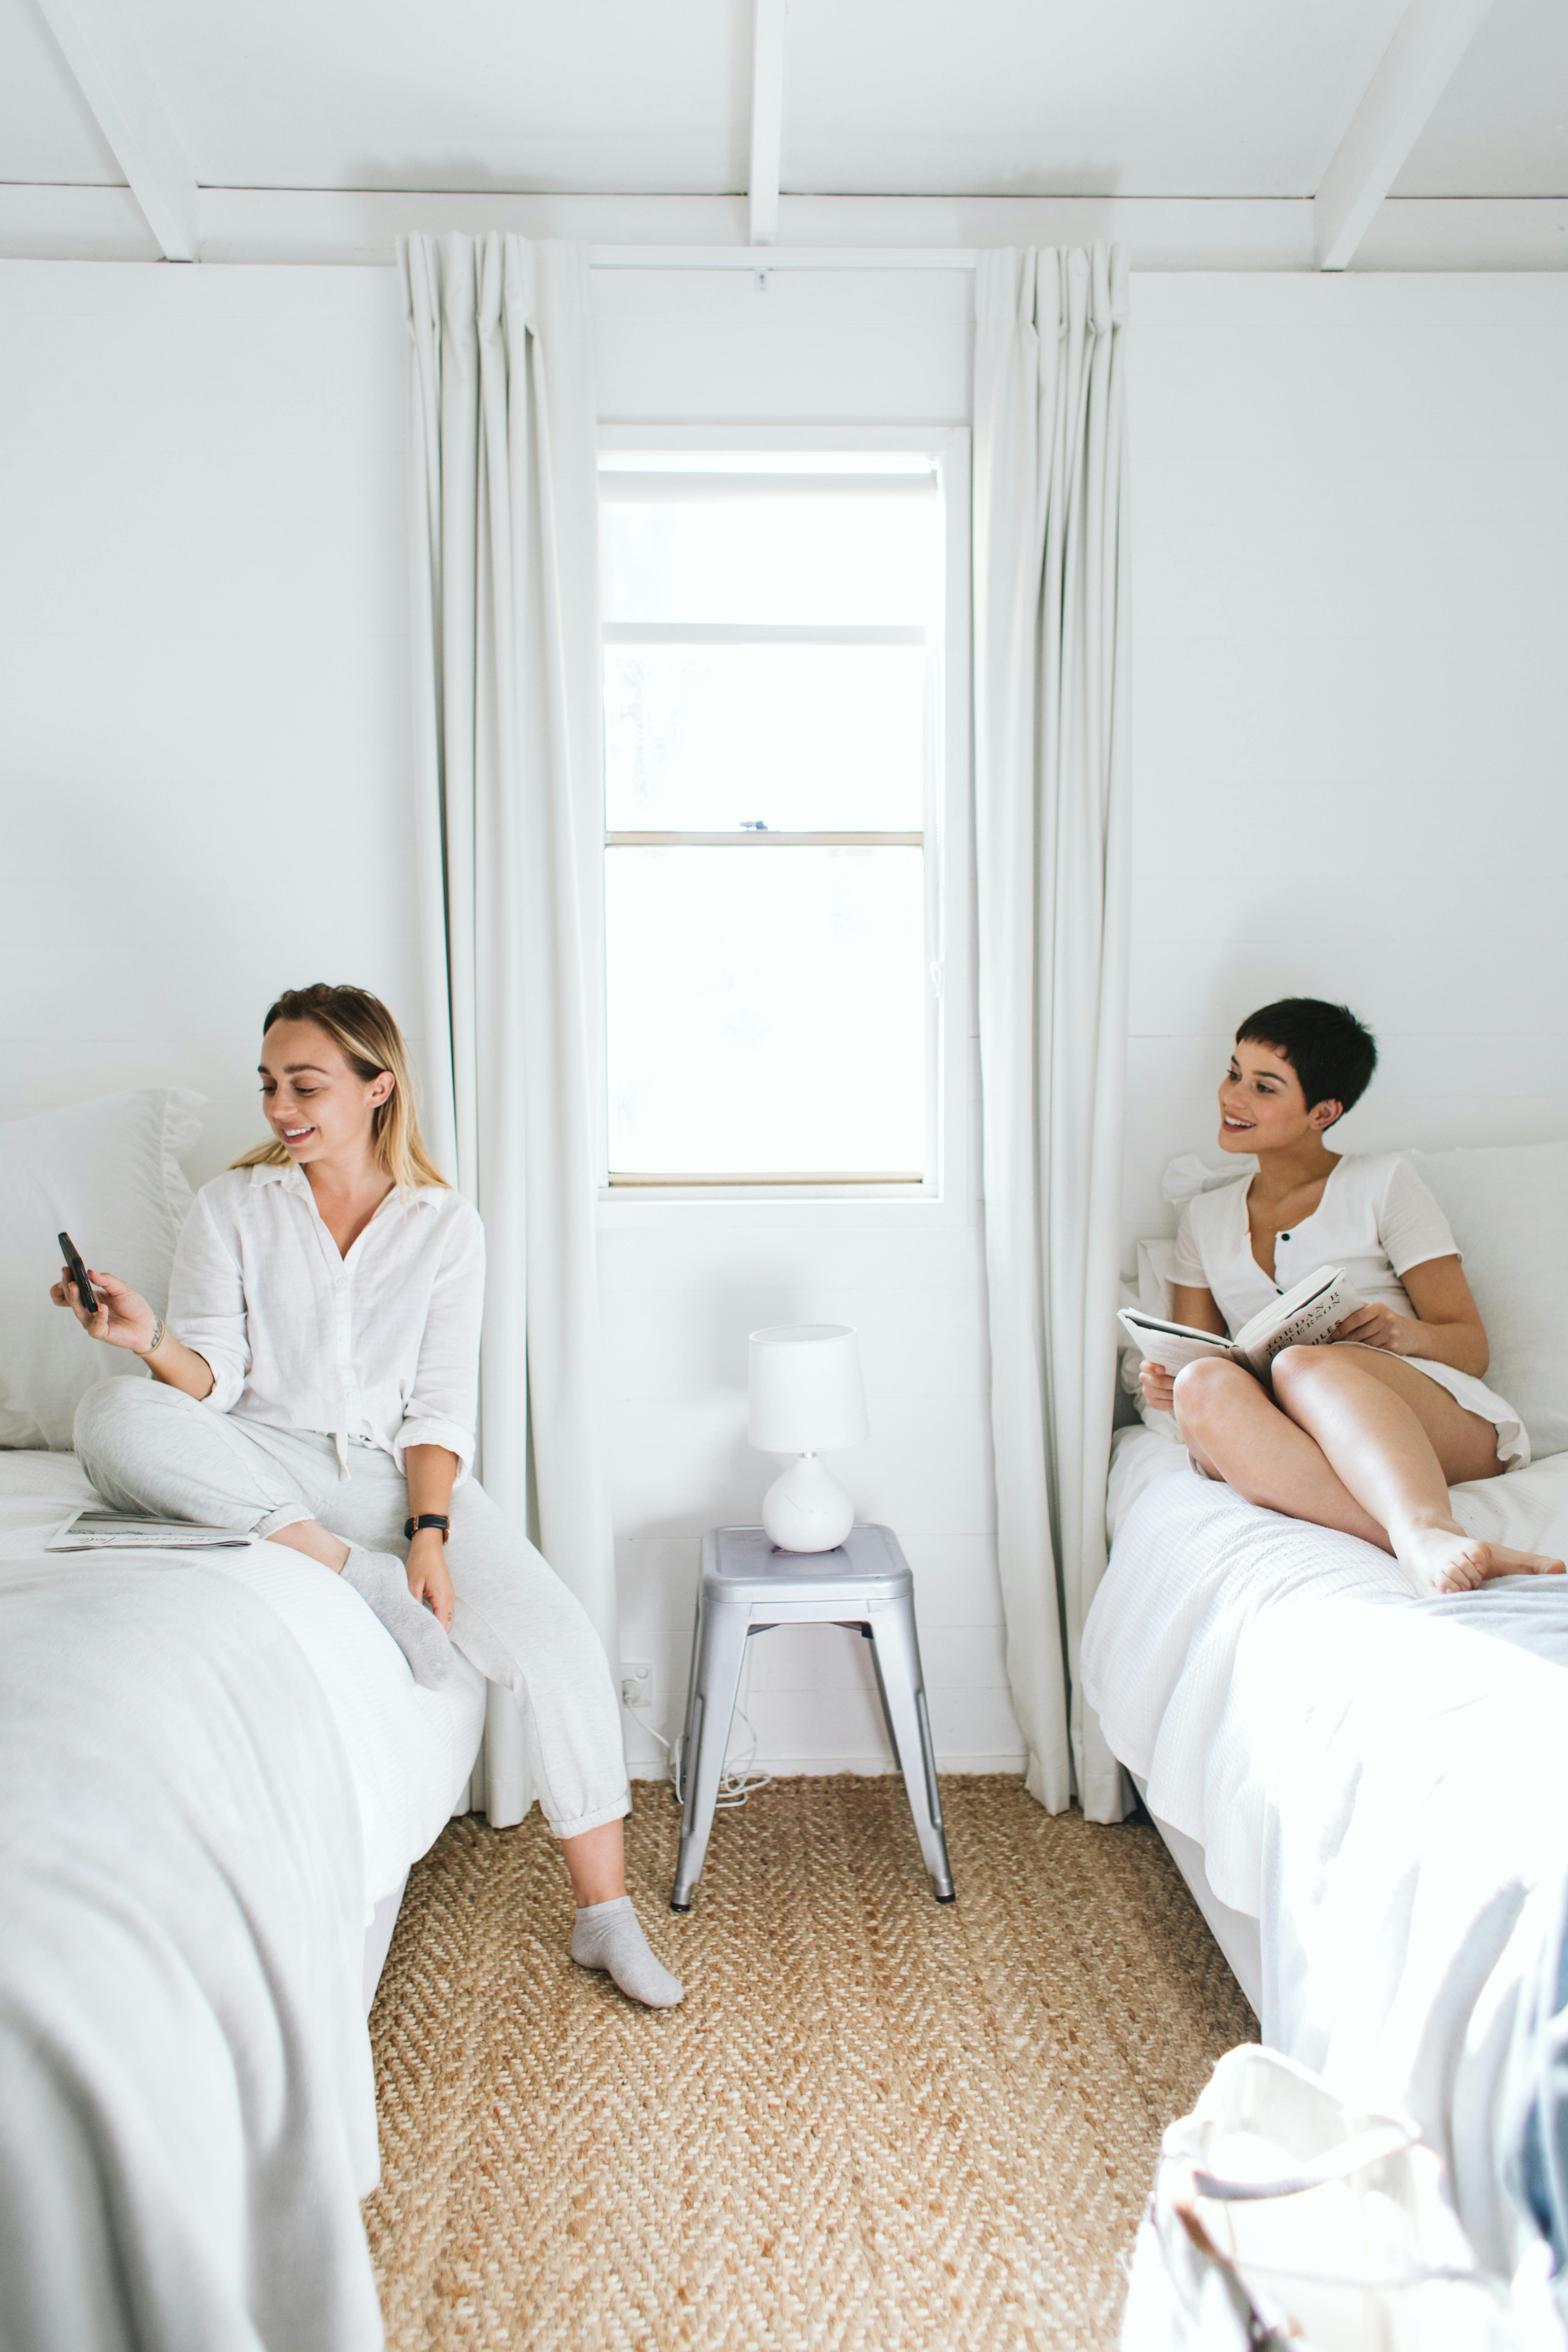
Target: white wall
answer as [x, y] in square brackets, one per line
[204, 753]
[1351, 694]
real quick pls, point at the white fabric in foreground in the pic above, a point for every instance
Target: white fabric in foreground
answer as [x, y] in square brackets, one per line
[1377, 1779]
[188, 2115]
[107, 1172]
[409, 1751]
[1052, 641]
[510, 826]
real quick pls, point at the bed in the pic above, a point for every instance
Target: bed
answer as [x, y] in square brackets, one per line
[1365, 1791]
[215, 1771]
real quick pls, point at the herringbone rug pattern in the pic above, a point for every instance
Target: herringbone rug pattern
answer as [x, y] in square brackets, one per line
[877, 2124]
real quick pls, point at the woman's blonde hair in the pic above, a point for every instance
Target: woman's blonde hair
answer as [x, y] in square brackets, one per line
[371, 1042]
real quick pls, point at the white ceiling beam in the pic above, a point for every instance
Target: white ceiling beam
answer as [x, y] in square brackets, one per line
[767, 117]
[97, 45]
[1424, 234]
[1415, 69]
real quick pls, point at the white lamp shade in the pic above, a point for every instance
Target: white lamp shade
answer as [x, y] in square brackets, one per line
[807, 1396]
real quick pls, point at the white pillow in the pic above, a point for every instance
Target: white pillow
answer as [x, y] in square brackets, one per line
[1508, 1204]
[107, 1172]
[1157, 1276]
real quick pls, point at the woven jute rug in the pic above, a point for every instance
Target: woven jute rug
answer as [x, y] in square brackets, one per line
[876, 2121]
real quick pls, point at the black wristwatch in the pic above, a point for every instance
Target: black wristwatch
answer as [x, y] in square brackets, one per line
[411, 1527]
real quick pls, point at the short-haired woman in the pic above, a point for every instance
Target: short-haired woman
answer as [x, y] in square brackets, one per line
[315, 1385]
[1368, 1433]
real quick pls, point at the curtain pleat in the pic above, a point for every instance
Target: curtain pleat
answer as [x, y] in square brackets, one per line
[1052, 642]
[508, 721]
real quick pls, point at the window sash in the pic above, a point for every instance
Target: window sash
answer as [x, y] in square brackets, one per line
[751, 838]
[761, 632]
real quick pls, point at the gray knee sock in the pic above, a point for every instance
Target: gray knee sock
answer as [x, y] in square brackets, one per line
[380, 1580]
[609, 1935]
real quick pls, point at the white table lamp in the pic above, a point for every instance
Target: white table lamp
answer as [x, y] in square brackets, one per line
[807, 1398]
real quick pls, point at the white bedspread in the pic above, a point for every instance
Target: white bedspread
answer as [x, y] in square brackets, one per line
[409, 1750]
[1379, 1781]
[212, 1766]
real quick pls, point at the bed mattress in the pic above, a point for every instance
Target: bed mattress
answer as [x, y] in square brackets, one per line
[1377, 1779]
[410, 1752]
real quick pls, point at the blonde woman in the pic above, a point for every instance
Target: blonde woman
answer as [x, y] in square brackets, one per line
[315, 1385]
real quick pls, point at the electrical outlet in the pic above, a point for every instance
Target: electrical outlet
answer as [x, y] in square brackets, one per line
[636, 1683]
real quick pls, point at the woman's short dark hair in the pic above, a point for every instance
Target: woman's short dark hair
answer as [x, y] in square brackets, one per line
[1333, 1053]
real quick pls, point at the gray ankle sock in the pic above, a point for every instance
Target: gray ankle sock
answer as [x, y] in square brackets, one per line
[609, 1935]
[379, 1580]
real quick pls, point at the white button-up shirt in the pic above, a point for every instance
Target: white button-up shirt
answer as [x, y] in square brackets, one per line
[383, 1344]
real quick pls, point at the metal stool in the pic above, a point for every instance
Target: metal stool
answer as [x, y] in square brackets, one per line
[749, 1587]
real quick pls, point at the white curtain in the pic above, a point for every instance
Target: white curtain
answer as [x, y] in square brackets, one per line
[1051, 652]
[508, 702]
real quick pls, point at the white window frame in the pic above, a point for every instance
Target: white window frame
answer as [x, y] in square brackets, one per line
[949, 1189]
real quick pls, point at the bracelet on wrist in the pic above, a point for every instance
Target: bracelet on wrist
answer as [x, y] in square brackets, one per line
[411, 1527]
[159, 1335]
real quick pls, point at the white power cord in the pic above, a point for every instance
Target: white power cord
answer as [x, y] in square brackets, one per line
[737, 1782]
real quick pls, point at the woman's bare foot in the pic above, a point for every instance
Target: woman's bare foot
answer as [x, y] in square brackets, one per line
[1446, 1559]
[1508, 1562]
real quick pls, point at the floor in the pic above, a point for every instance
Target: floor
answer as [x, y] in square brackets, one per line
[876, 2121]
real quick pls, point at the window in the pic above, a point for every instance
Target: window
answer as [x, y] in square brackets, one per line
[773, 659]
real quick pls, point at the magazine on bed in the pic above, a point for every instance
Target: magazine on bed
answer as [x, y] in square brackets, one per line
[93, 1530]
[1301, 1317]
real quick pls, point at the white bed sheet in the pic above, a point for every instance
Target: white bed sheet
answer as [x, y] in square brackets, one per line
[1377, 1779]
[410, 1751]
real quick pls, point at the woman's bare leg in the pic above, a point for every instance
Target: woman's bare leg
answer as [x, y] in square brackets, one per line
[306, 1536]
[597, 1862]
[1398, 1441]
[1238, 1433]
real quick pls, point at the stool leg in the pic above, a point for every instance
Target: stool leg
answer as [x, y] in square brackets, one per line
[693, 1687]
[715, 1681]
[897, 1652]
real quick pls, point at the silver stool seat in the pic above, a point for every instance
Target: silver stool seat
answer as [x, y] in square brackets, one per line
[747, 1587]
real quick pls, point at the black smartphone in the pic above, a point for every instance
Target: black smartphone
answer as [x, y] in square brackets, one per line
[78, 1273]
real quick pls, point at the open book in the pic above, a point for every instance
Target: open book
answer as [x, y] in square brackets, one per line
[94, 1530]
[1301, 1317]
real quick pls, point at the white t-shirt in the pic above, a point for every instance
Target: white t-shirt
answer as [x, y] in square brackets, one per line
[1376, 1219]
[382, 1345]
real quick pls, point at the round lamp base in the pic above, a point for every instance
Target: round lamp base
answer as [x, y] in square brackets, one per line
[808, 1509]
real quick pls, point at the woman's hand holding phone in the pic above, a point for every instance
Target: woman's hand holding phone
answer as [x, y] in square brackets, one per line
[123, 1319]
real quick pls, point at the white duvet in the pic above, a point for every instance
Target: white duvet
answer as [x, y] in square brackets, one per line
[409, 1751]
[1381, 1781]
[211, 1766]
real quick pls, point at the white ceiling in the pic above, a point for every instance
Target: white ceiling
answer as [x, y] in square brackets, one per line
[1500, 129]
[1210, 98]
[46, 130]
[1172, 98]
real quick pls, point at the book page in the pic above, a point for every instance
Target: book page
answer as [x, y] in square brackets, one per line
[1169, 1345]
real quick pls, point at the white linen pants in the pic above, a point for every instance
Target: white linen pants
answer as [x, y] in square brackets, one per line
[147, 1447]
